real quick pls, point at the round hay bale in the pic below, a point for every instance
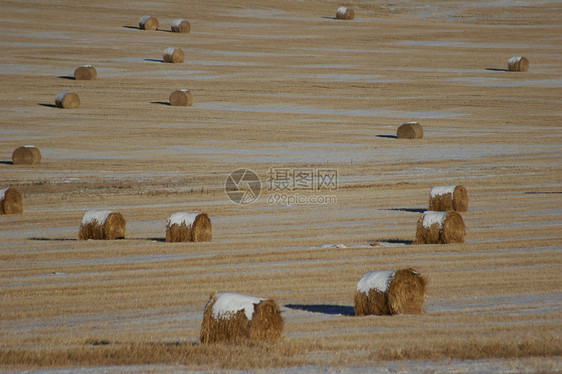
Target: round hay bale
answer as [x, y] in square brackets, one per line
[440, 228]
[188, 227]
[67, 100]
[26, 155]
[86, 73]
[518, 63]
[235, 317]
[149, 23]
[181, 98]
[102, 224]
[345, 13]
[388, 292]
[443, 198]
[410, 130]
[173, 55]
[10, 201]
[181, 25]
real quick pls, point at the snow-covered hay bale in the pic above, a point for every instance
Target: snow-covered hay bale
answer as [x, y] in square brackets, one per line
[409, 130]
[390, 292]
[86, 73]
[10, 201]
[233, 317]
[174, 55]
[149, 23]
[345, 13]
[67, 100]
[440, 228]
[26, 155]
[181, 25]
[181, 98]
[443, 198]
[518, 63]
[188, 227]
[102, 224]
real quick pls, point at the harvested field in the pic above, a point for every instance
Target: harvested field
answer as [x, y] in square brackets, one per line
[311, 105]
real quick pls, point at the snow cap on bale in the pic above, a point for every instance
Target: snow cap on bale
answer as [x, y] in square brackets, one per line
[102, 224]
[518, 63]
[148, 23]
[453, 197]
[440, 228]
[67, 100]
[181, 98]
[85, 72]
[390, 292]
[188, 227]
[174, 55]
[345, 13]
[10, 201]
[235, 317]
[181, 25]
[26, 155]
[410, 130]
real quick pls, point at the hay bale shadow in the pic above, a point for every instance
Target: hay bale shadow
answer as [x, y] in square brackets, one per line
[160, 102]
[333, 310]
[409, 210]
[326, 17]
[132, 27]
[7, 162]
[67, 77]
[496, 69]
[392, 241]
[153, 60]
[47, 105]
[53, 239]
[387, 136]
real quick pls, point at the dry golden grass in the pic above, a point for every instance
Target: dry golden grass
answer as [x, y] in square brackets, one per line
[293, 91]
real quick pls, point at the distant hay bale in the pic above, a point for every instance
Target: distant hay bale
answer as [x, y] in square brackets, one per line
[26, 155]
[443, 198]
[67, 100]
[440, 228]
[188, 227]
[174, 55]
[86, 73]
[518, 63]
[102, 224]
[149, 23]
[10, 201]
[231, 317]
[410, 130]
[181, 98]
[181, 25]
[388, 292]
[345, 13]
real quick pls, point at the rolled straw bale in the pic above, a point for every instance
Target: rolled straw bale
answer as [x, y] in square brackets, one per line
[390, 292]
[173, 55]
[26, 155]
[10, 201]
[345, 13]
[409, 130]
[149, 23]
[518, 63]
[443, 198]
[181, 98]
[86, 73]
[181, 25]
[188, 227]
[440, 228]
[235, 317]
[102, 224]
[67, 100]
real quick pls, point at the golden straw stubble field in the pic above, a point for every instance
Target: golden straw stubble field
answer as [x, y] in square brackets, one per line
[311, 104]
